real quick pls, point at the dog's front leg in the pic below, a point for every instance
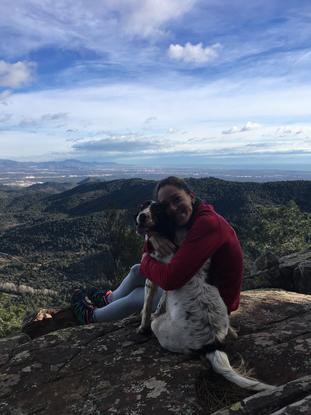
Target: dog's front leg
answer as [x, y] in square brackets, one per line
[161, 307]
[150, 289]
[232, 333]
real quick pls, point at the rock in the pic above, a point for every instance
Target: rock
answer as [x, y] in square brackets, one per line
[8, 343]
[107, 368]
[264, 261]
[302, 277]
[291, 272]
[294, 277]
[264, 274]
[268, 278]
[292, 398]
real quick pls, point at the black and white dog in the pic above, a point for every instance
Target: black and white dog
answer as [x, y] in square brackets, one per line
[192, 318]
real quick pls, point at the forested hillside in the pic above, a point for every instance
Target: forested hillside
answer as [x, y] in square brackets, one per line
[55, 236]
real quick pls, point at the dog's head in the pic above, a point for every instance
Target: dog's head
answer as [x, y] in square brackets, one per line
[152, 216]
[143, 218]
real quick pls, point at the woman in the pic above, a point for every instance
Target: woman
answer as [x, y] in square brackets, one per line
[209, 235]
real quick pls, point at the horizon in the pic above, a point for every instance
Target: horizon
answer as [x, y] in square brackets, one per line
[140, 83]
[26, 174]
[233, 166]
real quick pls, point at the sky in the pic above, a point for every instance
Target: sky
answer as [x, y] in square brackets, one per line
[157, 82]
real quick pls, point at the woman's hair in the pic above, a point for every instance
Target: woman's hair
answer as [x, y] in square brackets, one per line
[172, 181]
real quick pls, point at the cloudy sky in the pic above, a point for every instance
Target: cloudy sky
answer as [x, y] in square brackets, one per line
[157, 82]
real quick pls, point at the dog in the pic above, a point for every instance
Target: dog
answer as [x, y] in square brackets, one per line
[193, 318]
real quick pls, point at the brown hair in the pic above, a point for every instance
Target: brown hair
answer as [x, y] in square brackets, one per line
[172, 181]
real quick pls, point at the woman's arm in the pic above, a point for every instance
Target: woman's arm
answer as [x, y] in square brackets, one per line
[202, 240]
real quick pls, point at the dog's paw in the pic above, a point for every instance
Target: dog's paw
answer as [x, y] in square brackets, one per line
[232, 333]
[143, 329]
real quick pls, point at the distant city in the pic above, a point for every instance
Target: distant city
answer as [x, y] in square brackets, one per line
[23, 174]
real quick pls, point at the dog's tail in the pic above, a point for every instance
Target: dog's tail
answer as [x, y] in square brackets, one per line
[220, 363]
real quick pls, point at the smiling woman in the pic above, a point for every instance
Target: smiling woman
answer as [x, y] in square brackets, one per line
[208, 236]
[178, 200]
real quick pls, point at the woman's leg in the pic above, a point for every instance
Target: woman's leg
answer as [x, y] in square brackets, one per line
[100, 298]
[129, 283]
[127, 299]
[125, 306]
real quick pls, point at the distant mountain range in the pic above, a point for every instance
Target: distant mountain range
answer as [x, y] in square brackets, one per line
[27, 173]
[58, 165]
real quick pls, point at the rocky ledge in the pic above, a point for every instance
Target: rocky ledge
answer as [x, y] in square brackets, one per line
[108, 368]
[291, 272]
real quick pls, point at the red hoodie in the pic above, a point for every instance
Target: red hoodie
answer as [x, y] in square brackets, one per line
[209, 236]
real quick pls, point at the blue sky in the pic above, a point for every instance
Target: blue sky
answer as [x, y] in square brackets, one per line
[157, 82]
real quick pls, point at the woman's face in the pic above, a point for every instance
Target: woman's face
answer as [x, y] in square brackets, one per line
[179, 203]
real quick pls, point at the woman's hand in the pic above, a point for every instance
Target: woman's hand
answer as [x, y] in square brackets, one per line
[162, 245]
[143, 256]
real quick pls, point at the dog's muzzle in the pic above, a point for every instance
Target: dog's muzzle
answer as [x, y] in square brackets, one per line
[143, 218]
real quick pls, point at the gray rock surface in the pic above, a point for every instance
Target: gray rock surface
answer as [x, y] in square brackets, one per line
[108, 368]
[290, 272]
[264, 261]
[292, 398]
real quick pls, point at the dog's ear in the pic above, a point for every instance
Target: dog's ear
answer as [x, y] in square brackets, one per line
[159, 209]
[157, 212]
[163, 222]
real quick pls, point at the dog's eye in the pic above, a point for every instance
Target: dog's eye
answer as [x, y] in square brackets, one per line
[145, 205]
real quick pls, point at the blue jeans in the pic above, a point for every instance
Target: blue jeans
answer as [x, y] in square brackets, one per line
[127, 299]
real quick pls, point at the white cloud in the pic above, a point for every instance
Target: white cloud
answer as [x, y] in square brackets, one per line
[118, 145]
[54, 117]
[28, 122]
[286, 130]
[104, 26]
[232, 130]
[149, 120]
[249, 126]
[14, 75]
[146, 18]
[4, 95]
[49, 120]
[201, 110]
[5, 117]
[197, 54]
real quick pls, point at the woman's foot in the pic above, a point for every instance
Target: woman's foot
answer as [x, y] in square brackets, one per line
[82, 309]
[99, 298]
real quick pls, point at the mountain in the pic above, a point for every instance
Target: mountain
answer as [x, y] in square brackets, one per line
[254, 209]
[23, 174]
[58, 165]
[230, 198]
[55, 236]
